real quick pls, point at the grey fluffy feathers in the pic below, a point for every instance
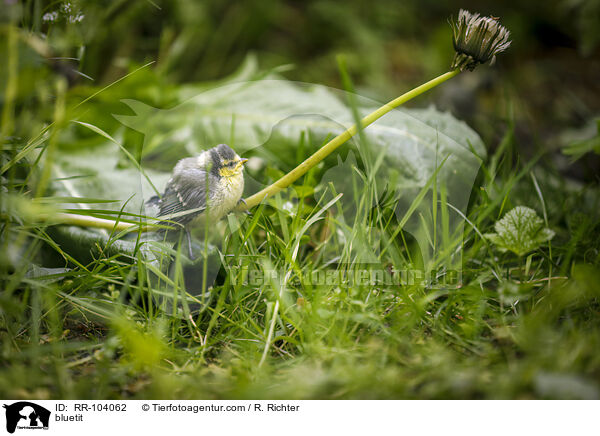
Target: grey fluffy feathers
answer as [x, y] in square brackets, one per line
[186, 190]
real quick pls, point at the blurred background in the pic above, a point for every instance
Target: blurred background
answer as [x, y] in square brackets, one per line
[537, 111]
[545, 87]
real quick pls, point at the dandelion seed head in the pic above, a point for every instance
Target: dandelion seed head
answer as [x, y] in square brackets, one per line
[477, 40]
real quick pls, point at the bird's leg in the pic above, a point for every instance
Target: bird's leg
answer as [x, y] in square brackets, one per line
[241, 200]
[189, 242]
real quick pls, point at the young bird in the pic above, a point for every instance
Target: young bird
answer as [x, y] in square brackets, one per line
[209, 186]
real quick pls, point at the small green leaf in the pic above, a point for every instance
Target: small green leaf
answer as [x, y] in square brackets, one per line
[520, 231]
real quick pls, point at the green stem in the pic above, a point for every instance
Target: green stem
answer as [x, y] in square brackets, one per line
[87, 221]
[328, 148]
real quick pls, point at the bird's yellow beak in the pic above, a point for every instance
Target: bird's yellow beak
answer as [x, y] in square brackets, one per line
[239, 164]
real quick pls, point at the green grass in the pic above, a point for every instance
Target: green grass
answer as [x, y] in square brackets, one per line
[119, 316]
[118, 327]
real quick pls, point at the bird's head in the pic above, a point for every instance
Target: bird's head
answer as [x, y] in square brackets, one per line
[225, 161]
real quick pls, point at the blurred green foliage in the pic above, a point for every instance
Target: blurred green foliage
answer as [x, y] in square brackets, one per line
[81, 323]
[389, 47]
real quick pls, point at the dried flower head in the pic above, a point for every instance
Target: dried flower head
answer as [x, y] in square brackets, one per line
[477, 40]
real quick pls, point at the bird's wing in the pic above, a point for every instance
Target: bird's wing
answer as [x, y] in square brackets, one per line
[186, 191]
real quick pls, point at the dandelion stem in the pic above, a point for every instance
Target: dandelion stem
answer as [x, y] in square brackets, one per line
[87, 221]
[328, 148]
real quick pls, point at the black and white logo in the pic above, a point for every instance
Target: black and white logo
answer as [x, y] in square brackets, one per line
[26, 415]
